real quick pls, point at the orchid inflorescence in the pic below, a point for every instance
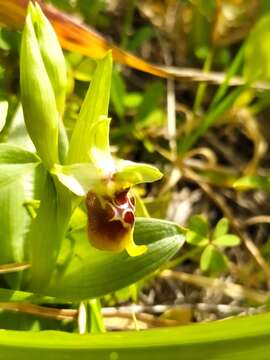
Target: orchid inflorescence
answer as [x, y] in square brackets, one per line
[84, 164]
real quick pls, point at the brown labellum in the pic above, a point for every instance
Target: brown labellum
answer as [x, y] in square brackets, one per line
[110, 220]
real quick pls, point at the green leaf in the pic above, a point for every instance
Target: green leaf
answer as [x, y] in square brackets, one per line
[136, 173]
[199, 225]
[12, 172]
[12, 221]
[221, 228]
[196, 239]
[212, 260]
[95, 105]
[12, 154]
[38, 100]
[14, 163]
[227, 240]
[3, 113]
[240, 338]
[93, 273]
[253, 182]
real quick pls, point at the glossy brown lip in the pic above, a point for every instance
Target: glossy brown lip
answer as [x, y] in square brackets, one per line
[110, 220]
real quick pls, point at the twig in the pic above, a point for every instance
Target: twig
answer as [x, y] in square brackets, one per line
[257, 220]
[59, 314]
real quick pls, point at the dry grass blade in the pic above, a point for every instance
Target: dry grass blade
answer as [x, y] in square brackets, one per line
[59, 314]
[8, 268]
[235, 291]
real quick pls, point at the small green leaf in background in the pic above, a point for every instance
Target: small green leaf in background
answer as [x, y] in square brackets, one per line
[212, 260]
[199, 224]
[227, 240]
[253, 182]
[198, 231]
[221, 228]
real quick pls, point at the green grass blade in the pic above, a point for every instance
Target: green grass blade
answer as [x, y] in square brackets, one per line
[209, 119]
[235, 339]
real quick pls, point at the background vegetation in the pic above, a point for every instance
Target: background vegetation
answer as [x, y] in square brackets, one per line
[201, 117]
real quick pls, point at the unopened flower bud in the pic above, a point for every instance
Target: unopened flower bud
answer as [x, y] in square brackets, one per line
[38, 100]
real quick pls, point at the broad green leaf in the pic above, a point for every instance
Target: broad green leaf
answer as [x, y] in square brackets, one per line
[199, 225]
[94, 106]
[47, 231]
[227, 240]
[221, 228]
[93, 273]
[11, 173]
[136, 173]
[12, 154]
[3, 113]
[14, 163]
[240, 338]
[78, 178]
[12, 221]
[253, 182]
[212, 260]
[8, 295]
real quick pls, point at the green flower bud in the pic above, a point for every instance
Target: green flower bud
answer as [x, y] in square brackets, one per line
[38, 99]
[52, 56]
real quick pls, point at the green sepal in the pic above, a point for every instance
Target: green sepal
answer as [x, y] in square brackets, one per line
[79, 178]
[99, 142]
[95, 106]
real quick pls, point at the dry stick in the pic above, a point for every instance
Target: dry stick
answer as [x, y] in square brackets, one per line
[261, 219]
[236, 224]
[72, 314]
[8, 268]
[146, 318]
[234, 291]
